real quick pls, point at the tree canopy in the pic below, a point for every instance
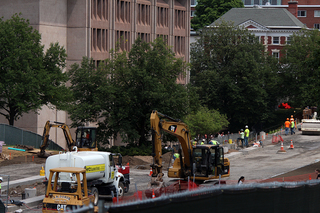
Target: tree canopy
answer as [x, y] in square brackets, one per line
[234, 75]
[122, 92]
[205, 121]
[207, 11]
[301, 68]
[30, 78]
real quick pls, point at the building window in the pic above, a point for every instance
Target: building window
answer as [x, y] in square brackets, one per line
[317, 13]
[316, 26]
[275, 55]
[193, 3]
[289, 39]
[193, 13]
[302, 13]
[275, 40]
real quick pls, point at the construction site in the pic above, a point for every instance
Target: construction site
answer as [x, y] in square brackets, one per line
[281, 172]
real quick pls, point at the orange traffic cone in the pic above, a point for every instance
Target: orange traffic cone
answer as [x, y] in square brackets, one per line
[291, 145]
[153, 195]
[150, 173]
[281, 149]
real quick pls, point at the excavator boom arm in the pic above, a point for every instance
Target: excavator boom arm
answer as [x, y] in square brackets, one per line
[174, 127]
[45, 136]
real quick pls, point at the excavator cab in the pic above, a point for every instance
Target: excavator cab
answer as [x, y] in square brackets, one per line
[209, 162]
[86, 138]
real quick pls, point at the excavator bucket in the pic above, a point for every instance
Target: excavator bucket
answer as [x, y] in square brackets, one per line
[43, 154]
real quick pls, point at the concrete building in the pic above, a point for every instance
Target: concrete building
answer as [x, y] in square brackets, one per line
[260, 21]
[93, 27]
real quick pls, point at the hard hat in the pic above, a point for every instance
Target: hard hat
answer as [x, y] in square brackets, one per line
[246, 127]
[287, 119]
[241, 130]
[203, 139]
[1, 179]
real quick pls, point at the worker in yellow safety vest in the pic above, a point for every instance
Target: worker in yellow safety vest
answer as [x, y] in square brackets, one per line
[202, 142]
[214, 142]
[194, 142]
[176, 155]
[246, 136]
[292, 127]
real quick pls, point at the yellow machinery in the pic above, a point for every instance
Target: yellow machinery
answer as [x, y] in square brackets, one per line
[85, 138]
[66, 196]
[203, 162]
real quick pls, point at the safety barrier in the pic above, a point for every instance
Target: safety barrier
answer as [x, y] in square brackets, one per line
[257, 197]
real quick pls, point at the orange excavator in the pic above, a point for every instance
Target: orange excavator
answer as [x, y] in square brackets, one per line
[201, 162]
[85, 138]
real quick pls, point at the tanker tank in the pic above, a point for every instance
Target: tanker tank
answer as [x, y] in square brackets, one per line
[96, 163]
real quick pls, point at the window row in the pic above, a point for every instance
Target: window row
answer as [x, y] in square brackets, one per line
[143, 13]
[99, 39]
[303, 13]
[276, 40]
[179, 19]
[162, 17]
[99, 9]
[261, 2]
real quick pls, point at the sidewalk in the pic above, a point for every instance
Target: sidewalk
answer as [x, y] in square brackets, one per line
[28, 203]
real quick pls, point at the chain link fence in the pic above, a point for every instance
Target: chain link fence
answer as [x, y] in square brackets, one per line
[14, 136]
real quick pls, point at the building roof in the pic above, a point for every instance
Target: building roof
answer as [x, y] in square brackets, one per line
[268, 17]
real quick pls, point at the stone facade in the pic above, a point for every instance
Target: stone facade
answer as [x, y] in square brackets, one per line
[91, 28]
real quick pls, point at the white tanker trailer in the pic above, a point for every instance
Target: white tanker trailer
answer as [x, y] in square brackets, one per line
[103, 177]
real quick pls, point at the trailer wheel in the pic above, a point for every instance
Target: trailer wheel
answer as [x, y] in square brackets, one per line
[121, 189]
[95, 193]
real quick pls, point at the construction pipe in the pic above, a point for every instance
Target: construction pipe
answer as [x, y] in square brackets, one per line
[17, 149]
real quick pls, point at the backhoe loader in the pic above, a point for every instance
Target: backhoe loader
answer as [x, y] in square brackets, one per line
[85, 138]
[201, 162]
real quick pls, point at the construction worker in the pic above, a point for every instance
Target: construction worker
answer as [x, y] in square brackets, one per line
[246, 136]
[213, 142]
[292, 127]
[194, 142]
[202, 142]
[176, 155]
[287, 126]
[241, 138]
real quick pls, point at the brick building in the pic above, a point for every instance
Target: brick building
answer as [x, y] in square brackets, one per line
[260, 21]
[307, 11]
[92, 27]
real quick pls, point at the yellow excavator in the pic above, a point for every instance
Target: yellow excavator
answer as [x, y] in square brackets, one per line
[201, 162]
[85, 138]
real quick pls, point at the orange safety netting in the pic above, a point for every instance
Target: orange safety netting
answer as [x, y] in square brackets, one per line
[177, 186]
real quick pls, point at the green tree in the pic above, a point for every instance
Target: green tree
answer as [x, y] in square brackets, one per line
[207, 11]
[234, 75]
[124, 90]
[205, 121]
[302, 68]
[29, 78]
